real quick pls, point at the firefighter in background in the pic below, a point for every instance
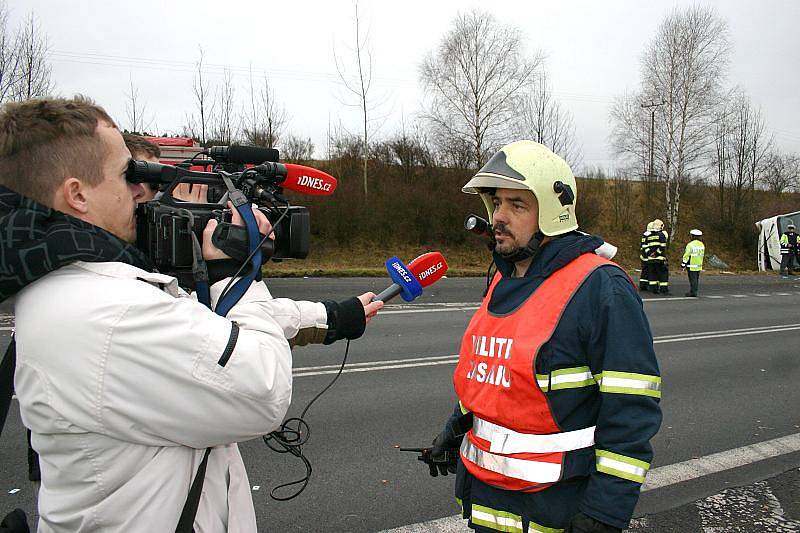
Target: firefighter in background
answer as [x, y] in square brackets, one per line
[557, 380]
[646, 275]
[693, 261]
[790, 251]
[657, 250]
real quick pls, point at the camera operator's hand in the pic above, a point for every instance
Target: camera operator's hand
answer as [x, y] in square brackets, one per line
[196, 193]
[211, 252]
[370, 308]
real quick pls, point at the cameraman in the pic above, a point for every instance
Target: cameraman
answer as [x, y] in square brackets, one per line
[123, 379]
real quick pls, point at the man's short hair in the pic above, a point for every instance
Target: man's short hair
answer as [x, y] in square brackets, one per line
[43, 141]
[139, 146]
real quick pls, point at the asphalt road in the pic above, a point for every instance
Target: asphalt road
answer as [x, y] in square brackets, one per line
[730, 363]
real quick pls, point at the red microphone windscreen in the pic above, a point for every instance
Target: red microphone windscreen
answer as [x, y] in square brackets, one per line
[428, 268]
[308, 180]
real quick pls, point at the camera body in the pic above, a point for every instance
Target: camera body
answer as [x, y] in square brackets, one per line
[165, 225]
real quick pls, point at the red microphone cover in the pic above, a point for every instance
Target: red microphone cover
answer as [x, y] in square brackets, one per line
[308, 180]
[428, 268]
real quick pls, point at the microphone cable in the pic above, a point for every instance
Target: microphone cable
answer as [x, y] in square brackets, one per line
[293, 434]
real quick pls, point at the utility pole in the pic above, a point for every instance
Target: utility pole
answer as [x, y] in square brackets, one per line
[652, 106]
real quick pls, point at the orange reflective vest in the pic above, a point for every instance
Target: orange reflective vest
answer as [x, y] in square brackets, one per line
[515, 442]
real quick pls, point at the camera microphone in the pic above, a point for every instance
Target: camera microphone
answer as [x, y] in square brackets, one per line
[243, 155]
[409, 280]
[299, 178]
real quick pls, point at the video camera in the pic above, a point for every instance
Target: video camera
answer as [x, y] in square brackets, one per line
[166, 225]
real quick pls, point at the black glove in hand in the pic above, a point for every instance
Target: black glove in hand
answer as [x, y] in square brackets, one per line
[581, 523]
[442, 456]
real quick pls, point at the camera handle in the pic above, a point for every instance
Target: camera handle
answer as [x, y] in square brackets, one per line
[229, 298]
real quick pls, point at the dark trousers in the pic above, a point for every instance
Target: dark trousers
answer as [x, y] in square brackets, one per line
[661, 277]
[644, 278]
[694, 281]
[787, 262]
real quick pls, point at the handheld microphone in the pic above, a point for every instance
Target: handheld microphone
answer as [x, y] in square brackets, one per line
[299, 178]
[409, 280]
[243, 155]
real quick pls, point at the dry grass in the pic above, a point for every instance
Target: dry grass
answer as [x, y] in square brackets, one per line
[363, 260]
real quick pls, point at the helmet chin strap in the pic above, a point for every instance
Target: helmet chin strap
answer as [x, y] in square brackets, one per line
[525, 252]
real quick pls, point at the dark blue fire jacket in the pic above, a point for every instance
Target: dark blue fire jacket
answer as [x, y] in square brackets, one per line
[598, 369]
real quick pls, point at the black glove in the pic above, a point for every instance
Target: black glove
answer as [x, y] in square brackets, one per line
[442, 456]
[581, 523]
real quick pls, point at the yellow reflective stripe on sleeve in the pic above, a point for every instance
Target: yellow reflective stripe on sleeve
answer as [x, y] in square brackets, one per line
[497, 520]
[620, 466]
[538, 528]
[630, 383]
[544, 381]
[460, 503]
[571, 378]
[462, 408]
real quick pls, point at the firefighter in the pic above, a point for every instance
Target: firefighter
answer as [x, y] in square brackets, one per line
[657, 249]
[790, 251]
[693, 261]
[557, 380]
[644, 277]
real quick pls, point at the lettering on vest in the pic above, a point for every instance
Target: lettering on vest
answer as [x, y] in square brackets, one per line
[490, 372]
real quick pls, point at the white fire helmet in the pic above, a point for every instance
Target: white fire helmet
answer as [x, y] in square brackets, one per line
[533, 166]
[696, 232]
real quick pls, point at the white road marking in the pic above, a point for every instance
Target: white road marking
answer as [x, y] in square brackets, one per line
[721, 461]
[452, 359]
[662, 476]
[446, 307]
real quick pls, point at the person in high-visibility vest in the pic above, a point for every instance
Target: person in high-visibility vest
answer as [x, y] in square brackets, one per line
[790, 251]
[557, 380]
[693, 261]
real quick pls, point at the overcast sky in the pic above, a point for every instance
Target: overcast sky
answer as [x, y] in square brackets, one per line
[593, 50]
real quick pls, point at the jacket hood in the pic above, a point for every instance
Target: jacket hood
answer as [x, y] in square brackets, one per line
[37, 240]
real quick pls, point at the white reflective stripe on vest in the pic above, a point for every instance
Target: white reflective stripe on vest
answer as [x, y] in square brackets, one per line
[524, 469]
[504, 440]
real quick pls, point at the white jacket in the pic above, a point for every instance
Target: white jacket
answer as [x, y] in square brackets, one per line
[118, 378]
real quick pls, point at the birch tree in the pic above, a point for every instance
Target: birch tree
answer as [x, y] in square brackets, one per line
[475, 79]
[684, 66]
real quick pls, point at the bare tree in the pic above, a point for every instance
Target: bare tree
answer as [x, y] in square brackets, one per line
[136, 110]
[781, 172]
[541, 118]
[265, 120]
[33, 70]
[223, 119]
[630, 138]
[197, 125]
[475, 79]
[359, 85]
[741, 150]
[9, 58]
[684, 67]
[297, 149]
